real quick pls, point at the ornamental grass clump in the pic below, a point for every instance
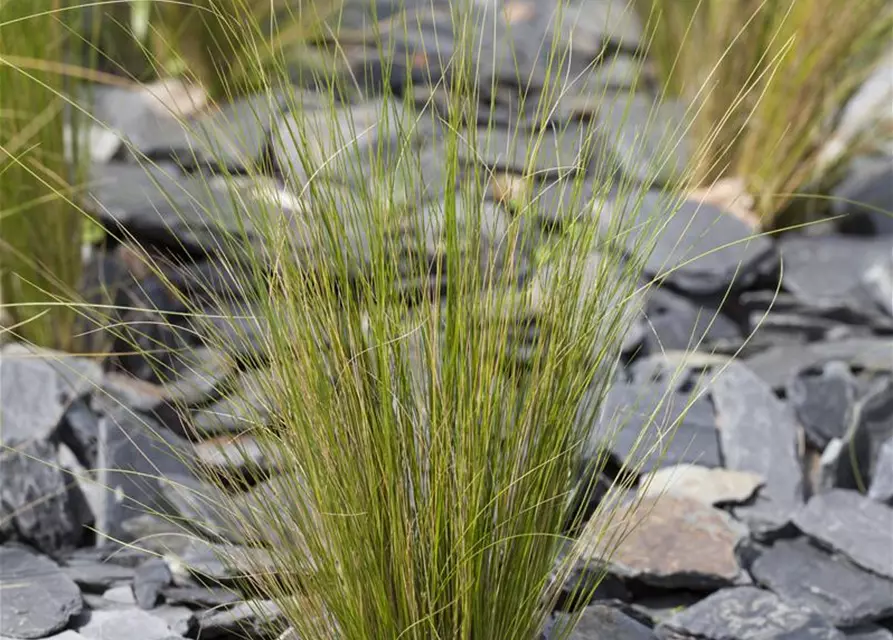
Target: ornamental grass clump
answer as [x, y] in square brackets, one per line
[40, 226]
[428, 351]
[768, 80]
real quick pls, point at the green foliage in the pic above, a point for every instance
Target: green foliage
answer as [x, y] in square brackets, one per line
[40, 249]
[767, 79]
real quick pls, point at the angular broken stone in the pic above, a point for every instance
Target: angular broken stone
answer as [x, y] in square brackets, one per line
[245, 408]
[712, 487]
[95, 575]
[136, 459]
[698, 248]
[677, 323]
[647, 137]
[758, 434]
[881, 488]
[259, 617]
[676, 543]
[149, 580]
[745, 613]
[125, 623]
[868, 632]
[832, 586]
[600, 622]
[39, 502]
[32, 405]
[649, 425]
[823, 402]
[38, 599]
[852, 524]
[781, 363]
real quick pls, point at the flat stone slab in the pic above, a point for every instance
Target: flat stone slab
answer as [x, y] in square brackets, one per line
[697, 247]
[129, 624]
[854, 525]
[881, 488]
[824, 401]
[780, 364]
[676, 543]
[647, 426]
[758, 434]
[746, 613]
[32, 406]
[804, 575]
[38, 598]
[712, 487]
[600, 622]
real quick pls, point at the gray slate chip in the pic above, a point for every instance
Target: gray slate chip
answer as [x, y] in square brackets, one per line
[869, 632]
[627, 413]
[32, 405]
[150, 578]
[38, 599]
[252, 617]
[746, 613]
[698, 248]
[806, 576]
[96, 575]
[758, 433]
[881, 488]
[40, 503]
[824, 401]
[600, 622]
[852, 524]
[125, 624]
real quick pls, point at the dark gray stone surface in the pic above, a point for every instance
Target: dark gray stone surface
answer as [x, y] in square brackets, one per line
[253, 617]
[125, 624]
[881, 488]
[804, 575]
[824, 401]
[867, 198]
[677, 323]
[600, 622]
[868, 632]
[32, 405]
[698, 248]
[149, 579]
[38, 599]
[79, 431]
[852, 524]
[780, 363]
[674, 427]
[745, 613]
[136, 456]
[39, 503]
[95, 575]
[758, 433]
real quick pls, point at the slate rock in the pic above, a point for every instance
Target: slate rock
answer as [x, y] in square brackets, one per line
[131, 624]
[202, 597]
[600, 622]
[339, 145]
[252, 617]
[587, 26]
[32, 404]
[40, 503]
[219, 564]
[677, 543]
[647, 137]
[95, 575]
[851, 462]
[38, 599]
[866, 197]
[149, 580]
[881, 488]
[745, 613]
[79, 431]
[713, 487]
[698, 248]
[832, 586]
[247, 406]
[758, 433]
[136, 456]
[852, 524]
[682, 429]
[233, 457]
[824, 401]
[120, 595]
[878, 281]
[677, 323]
[781, 363]
[868, 632]
[159, 204]
[829, 272]
[180, 620]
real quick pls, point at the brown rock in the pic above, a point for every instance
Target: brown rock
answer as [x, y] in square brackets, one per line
[708, 486]
[672, 542]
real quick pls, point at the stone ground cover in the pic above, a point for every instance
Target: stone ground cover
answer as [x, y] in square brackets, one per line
[777, 518]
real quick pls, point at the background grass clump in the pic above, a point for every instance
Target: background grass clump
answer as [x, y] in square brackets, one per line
[40, 227]
[767, 80]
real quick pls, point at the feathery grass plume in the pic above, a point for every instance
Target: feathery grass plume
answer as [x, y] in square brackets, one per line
[769, 78]
[40, 228]
[439, 301]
